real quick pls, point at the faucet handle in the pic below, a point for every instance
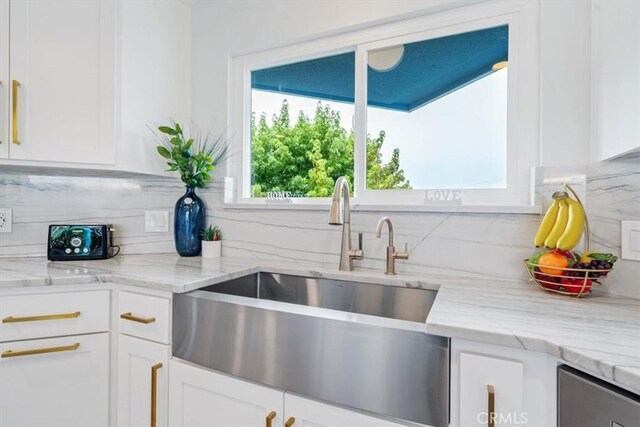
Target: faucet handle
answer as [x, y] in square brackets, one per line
[357, 253]
[402, 255]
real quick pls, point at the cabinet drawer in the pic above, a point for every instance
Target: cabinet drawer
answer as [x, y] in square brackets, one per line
[50, 315]
[55, 382]
[144, 316]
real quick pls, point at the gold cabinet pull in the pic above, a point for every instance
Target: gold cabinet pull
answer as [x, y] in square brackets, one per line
[14, 111]
[130, 316]
[270, 418]
[154, 393]
[11, 353]
[291, 421]
[12, 319]
[491, 410]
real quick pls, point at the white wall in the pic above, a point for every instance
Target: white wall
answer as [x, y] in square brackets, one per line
[223, 29]
[565, 85]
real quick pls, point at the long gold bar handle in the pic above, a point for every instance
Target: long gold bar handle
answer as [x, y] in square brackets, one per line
[291, 421]
[154, 393]
[270, 418]
[14, 111]
[491, 410]
[11, 353]
[130, 316]
[12, 319]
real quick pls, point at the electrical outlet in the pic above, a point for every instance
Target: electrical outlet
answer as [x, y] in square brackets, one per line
[6, 220]
[630, 240]
[156, 221]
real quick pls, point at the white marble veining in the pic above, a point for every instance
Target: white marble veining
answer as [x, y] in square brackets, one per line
[473, 245]
[613, 190]
[599, 334]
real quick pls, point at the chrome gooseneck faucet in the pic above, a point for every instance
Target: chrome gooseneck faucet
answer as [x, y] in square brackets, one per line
[392, 255]
[336, 217]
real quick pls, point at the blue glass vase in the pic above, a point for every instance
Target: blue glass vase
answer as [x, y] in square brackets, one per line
[188, 223]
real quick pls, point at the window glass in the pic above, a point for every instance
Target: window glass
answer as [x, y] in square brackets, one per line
[302, 136]
[437, 113]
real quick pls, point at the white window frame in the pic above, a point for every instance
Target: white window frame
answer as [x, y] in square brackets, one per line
[522, 109]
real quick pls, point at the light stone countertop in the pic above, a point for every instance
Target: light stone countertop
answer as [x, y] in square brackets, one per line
[599, 334]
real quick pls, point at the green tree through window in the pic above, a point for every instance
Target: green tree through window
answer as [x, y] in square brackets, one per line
[306, 158]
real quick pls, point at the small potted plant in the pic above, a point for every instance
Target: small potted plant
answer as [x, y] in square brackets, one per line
[211, 242]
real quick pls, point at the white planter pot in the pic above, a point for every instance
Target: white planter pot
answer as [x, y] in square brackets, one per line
[211, 249]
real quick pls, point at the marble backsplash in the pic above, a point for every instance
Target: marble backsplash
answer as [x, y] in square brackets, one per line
[482, 246]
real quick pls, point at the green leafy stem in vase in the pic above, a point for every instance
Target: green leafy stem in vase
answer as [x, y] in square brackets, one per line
[194, 158]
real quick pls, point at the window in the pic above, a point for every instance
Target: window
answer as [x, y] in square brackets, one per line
[420, 116]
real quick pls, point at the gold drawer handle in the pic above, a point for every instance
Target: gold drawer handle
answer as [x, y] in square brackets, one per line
[491, 401]
[12, 319]
[291, 421]
[11, 353]
[14, 111]
[270, 418]
[145, 320]
[154, 393]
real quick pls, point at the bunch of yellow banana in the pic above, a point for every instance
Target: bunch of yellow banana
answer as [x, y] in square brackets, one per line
[562, 225]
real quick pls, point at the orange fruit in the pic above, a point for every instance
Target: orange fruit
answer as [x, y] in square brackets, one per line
[548, 261]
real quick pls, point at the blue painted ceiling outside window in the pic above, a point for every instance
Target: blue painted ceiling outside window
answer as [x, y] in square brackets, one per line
[428, 70]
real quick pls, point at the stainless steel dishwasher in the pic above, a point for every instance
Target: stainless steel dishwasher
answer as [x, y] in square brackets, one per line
[585, 401]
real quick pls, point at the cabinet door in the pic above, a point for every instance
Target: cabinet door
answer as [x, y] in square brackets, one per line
[66, 384]
[485, 379]
[4, 79]
[138, 362]
[616, 77]
[310, 413]
[155, 78]
[199, 397]
[524, 385]
[63, 58]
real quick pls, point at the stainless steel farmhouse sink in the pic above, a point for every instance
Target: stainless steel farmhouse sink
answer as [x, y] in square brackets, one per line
[353, 344]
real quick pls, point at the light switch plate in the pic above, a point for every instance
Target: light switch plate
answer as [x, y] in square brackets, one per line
[156, 221]
[631, 240]
[6, 220]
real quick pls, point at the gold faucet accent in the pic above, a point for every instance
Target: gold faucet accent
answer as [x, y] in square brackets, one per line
[392, 255]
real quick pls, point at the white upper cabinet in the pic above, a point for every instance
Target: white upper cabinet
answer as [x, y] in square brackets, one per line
[155, 73]
[90, 79]
[62, 71]
[4, 79]
[615, 74]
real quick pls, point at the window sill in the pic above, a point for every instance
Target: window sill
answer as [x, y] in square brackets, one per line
[362, 207]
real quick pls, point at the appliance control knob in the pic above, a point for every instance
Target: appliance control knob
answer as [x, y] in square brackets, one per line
[85, 250]
[68, 250]
[76, 250]
[75, 241]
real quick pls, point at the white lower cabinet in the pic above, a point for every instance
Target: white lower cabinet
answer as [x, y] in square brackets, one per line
[310, 413]
[515, 387]
[55, 381]
[199, 397]
[142, 382]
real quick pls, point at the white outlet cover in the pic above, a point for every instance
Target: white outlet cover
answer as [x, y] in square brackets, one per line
[6, 220]
[631, 240]
[156, 221]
